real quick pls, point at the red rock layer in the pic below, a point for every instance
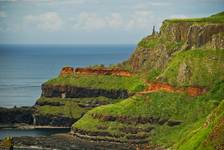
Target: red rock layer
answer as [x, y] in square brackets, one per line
[192, 91]
[65, 71]
[102, 71]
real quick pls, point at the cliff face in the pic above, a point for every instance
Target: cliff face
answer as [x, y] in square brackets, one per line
[192, 34]
[16, 115]
[156, 50]
[187, 60]
[51, 120]
[79, 92]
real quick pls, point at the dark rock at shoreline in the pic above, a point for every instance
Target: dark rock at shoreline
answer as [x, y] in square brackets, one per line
[49, 103]
[79, 92]
[50, 120]
[16, 115]
[28, 115]
[67, 142]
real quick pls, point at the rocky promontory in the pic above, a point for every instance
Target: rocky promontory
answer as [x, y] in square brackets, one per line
[167, 95]
[182, 67]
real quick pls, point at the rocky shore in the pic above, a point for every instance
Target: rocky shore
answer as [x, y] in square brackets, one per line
[70, 142]
[16, 115]
[26, 117]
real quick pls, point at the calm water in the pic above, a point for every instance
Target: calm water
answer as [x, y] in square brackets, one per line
[23, 68]
[31, 132]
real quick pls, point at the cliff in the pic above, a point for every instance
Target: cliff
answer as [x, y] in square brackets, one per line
[155, 51]
[16, 115]
[69, 96]
[182, 66]
[79, 92]
[174, 86]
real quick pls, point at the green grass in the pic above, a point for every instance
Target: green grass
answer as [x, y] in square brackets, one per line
[191, 110]
[158, 41]
[149, 42]
[205, 68]
[132, 84]
[205, 137]
[217, 18]
[161, 104]
[70, 107]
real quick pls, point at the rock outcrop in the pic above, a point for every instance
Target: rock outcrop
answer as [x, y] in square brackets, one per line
[191, 91]
[103, 71]
[53, 120]
[67, 71]
[155, 51]
[16, 115]
[78, 92]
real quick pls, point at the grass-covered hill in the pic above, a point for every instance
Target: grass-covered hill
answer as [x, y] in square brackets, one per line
[155, 51]
[159, 118]
[207, 135]
[185, 53]
[81, 93]
[197, 67]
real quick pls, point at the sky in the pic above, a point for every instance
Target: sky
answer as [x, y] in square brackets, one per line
[92, 21]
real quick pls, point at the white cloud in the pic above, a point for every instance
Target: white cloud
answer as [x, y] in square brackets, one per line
[49, 21]
[160, 3]
[178, 16]
[91, 21]
[139, 19]
[115, 20]
[3, 14]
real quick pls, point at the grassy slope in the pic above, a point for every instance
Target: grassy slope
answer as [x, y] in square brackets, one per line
[132, 84]
[164, 105]
[207, 135]
[206, 67]
[154, 43]
[70, 107]
[206, 71]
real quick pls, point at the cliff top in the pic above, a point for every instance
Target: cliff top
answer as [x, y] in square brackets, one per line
[217, 18]
[109, 82]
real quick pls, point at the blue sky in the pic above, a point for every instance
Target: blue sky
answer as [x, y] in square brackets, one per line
[92, 21]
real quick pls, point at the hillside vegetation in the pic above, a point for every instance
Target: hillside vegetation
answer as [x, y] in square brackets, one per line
[186, 52]
[108, 82]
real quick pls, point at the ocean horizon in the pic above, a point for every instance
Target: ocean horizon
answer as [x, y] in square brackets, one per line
[24, 67]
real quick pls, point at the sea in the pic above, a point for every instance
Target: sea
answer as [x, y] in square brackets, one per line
[23, 68]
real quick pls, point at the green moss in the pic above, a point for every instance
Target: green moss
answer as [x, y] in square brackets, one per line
[132, 84]
[204, 65]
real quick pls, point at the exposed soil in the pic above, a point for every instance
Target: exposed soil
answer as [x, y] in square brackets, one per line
[103, 71]
[65, 71]
[191, 91]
